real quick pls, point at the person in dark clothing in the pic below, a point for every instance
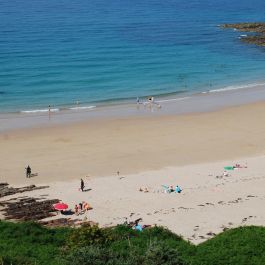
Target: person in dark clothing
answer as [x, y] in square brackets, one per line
[28, 171]
[82, 185]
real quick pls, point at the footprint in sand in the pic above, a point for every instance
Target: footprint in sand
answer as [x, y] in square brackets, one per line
[235, 201]
[183, 208]
[246, 218]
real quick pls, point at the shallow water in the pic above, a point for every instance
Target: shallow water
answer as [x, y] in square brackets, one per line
[61, 53]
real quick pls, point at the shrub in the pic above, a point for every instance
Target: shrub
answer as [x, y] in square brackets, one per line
[88, 235]
[161, 254]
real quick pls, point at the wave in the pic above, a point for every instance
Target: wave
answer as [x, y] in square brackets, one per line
[82, 108]
[56, 109]
[39, 110]
[171, 99]
[228, 88]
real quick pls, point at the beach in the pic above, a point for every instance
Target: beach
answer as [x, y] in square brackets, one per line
[149, 151]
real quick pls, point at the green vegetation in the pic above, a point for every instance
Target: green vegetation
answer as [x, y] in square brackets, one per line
[30, 243]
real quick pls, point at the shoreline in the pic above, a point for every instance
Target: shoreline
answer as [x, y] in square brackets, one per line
[198, 102]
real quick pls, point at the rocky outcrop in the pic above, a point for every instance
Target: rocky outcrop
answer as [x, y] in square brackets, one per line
[258, 28]
[28, 209]
[5, 190]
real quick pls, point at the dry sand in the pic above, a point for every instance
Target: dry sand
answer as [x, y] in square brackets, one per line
[189, 150]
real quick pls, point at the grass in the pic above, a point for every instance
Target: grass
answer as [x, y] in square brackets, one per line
[30, 243]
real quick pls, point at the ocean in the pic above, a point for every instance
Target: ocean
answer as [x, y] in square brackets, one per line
[84, 54]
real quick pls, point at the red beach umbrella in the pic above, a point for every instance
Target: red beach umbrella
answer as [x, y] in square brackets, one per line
[60, 206]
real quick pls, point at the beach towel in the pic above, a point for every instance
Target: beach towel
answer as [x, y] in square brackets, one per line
[166, 188]
[229, 168]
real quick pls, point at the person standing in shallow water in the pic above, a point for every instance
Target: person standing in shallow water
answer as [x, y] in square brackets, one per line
[82, 185]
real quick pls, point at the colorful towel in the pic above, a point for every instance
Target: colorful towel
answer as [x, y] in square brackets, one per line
[229, 168]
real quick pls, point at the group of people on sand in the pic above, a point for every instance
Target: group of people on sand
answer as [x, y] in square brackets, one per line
[82, 207]
[171, 189]
[167, 189]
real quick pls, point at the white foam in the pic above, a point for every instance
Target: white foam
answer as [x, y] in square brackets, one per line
[228, 88]
[39, 110]
[243, 35]
[82, 108]
[172, 99]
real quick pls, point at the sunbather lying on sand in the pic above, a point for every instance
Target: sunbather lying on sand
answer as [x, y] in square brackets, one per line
[225, 174]
[168, 189]
[239, 166]
[144, 189]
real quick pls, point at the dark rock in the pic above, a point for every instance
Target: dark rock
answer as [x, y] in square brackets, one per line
[258, 28]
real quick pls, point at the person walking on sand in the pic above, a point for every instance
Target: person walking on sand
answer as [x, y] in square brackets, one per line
[28, 171]
[82, 185]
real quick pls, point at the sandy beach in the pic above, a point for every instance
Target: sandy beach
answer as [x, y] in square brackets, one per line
[189, 150]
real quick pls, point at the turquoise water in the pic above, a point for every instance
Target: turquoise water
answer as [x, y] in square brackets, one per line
[96, 52]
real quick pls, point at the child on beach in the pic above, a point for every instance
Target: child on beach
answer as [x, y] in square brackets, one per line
[76, 209]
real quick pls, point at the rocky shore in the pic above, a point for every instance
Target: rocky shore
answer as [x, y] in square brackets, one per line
[258, 38]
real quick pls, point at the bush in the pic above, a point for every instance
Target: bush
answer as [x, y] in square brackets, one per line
[88, 235]
[156, 254]
[30, 243]
[88, 256]
[161, 254]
